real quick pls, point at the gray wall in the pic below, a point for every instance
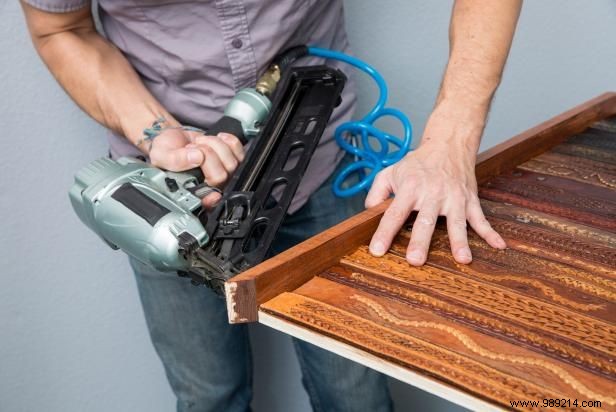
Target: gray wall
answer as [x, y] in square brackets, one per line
[72, 336]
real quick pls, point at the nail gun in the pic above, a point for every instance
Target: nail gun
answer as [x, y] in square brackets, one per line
[157, 217]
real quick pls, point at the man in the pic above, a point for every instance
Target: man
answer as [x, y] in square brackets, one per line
[163, 65]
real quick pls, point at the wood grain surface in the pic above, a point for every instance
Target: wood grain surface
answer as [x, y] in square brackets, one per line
[532, 322]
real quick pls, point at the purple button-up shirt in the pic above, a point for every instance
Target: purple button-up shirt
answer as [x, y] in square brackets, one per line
[195, 55]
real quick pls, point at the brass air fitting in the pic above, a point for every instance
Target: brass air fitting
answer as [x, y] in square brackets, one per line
[267, 83]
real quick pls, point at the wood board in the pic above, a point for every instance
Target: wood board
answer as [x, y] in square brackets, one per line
[536, 321]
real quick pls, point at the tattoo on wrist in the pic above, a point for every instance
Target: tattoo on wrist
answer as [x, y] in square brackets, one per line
[157, 127]
[151, 132]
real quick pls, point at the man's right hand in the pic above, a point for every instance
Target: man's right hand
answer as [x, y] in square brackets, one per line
[218, 156]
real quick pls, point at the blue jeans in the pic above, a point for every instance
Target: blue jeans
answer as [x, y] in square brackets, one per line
[208, 361]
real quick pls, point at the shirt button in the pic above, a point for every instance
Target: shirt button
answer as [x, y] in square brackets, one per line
[237, 43]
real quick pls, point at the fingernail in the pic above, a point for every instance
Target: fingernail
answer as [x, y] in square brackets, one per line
[464, 254]
[415, 257]
[210, 200]
[225, 136]
[501, 243]
[194, 156]
[377, 248]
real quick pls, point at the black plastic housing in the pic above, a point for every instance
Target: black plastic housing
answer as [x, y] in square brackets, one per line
[243, 225]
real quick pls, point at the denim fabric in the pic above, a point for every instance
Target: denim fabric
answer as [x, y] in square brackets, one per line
[208, 362]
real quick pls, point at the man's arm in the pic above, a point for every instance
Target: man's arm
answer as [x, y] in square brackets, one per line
[438, 178]
[102, 82]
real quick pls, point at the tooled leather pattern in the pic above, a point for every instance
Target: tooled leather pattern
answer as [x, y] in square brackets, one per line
[473, 346]
[537, 340]
[526, 216]
[556, 242]
[512, 259]
[414, 353]
[601, 179]
[495, 299]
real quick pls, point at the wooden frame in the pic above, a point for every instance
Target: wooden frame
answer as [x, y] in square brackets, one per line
[294, 267]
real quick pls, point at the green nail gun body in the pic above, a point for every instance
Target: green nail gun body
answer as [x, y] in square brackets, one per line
[156, 216]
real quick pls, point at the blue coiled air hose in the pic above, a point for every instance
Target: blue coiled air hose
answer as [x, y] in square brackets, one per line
[364, 129]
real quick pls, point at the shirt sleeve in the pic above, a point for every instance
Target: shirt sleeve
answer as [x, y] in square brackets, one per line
[58, 6]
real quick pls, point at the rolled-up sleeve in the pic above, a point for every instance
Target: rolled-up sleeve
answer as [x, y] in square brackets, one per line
[58, 6]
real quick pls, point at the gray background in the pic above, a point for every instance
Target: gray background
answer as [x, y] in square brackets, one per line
[72, 335]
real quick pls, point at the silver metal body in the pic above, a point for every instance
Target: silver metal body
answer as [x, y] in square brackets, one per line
[250, 108]
[157, 245]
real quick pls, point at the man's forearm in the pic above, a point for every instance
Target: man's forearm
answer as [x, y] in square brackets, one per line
[103, 83]
[95, 74]
[480, 34]
[438, 178]
[98, 77]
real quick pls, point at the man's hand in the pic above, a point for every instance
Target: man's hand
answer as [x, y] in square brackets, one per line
[437, 179]
[218, 157]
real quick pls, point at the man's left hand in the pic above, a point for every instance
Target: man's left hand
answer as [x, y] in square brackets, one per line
[437, 179]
